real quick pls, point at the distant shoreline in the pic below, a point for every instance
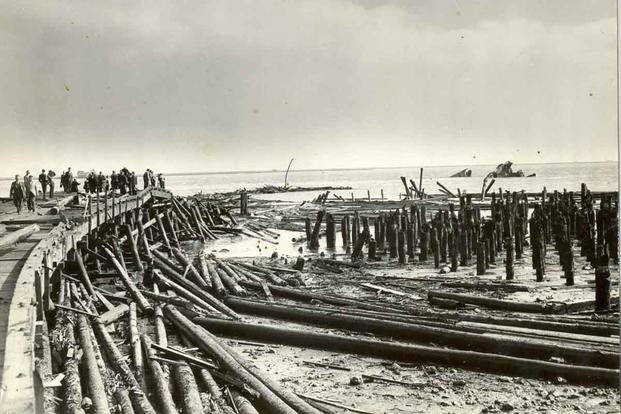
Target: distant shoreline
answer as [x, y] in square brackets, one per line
[366, 168]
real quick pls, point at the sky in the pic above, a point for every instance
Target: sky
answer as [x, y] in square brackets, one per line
[208, 85]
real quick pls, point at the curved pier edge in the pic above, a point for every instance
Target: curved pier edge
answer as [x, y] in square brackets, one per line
[17, 392]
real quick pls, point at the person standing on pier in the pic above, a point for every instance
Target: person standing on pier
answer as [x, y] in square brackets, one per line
[101, 181]
[161, 181]
[50, 182]
[133, 183]
[17, 193]
[152, 178]
[69, 180]
[145, 178]
[114, 180]
[122, 183]
[29, 191]
[43, 181]
[90, 185]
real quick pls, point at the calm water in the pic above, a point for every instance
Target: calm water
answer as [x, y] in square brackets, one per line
[598, 176]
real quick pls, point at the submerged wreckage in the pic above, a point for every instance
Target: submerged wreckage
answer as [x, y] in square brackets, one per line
[120, 305]
[505, 170]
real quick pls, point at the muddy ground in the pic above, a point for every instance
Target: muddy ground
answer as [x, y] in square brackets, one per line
[434, 389]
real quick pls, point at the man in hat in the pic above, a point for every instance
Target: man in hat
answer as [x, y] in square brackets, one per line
[43, 181]
[17, 193]
[30, 191]
[50, 182]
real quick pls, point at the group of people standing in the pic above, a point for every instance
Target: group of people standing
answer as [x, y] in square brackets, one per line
[25, 190]
[149, 179]
[124, 181]
[68, 182]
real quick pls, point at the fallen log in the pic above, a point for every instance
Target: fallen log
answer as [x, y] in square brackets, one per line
[191, 290]
[227, 269]
[173, 300]
[216, 282]
[308, 296]
[143, 304]
[137, 396]
[72, 389]
[86, 281]
[167, 261]
[133, 248]
[187, 388]
[13, 237]
[162, 393]
[242, 404]
[48, 219]
[114, 314]
[135, 345]
[246, 273]
[448, 192]
[508, 287]
[429, 334]
[212, 347]
[183, 292]
[124, 403]
[230, 283]
[556, 324]
[493, 303]
[160, 327]
[190, 269]
[497, 364]
[94, 382]
[116, 248]
[214, 391]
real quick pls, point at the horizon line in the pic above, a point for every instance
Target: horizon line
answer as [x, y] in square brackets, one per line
[376, 168]
[358, 168]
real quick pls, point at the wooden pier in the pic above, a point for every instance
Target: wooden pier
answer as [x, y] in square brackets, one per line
[25, 271]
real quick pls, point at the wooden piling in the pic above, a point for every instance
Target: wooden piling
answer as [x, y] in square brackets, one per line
[602, 284]
[401, 247]
[393, 241]
[118, 252]
[509, 258]
[480, 258]
[453, 251]
[173, 234]
[424, 244]
[357, 252]
[330, 231]
[163, 235]
[315, 234]
[133, 248]
[435, 247]
[443, 244]
[410, 240]
[372, 249]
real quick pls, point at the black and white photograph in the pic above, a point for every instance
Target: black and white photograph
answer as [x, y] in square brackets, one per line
[309, 206]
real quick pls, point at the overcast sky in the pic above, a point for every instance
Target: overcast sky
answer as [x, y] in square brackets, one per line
[206, 85]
